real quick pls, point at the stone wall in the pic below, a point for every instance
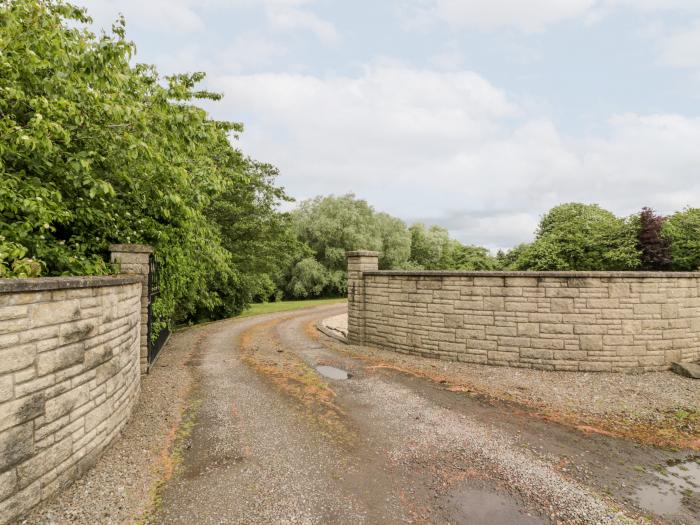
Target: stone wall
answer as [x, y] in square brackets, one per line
[69, 376]
[587, 321]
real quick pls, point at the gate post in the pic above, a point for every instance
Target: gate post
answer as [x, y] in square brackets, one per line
[358, 262]
[134, 259]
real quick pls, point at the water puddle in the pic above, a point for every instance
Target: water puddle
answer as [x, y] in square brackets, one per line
[483, 507]
[677, 482]
[332, 372]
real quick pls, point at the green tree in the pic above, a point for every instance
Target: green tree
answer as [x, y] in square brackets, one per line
[331, 226]
[96, 150]
[682, 229]
[581, 237]
[429, 246]
[468, 257]
[261, 240]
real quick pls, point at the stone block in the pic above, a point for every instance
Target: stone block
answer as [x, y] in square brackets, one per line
[593, 366]
[528, 329]
[495, 304]
[454, 321]
[20, 503]
[536, 353]
[16, 445]
[43, 462]
[63, 357]
[55, 312]
[521, 306]
[21, 410]
[33, 386]
[13, 312]
[669, 311]
[591, 342]
[619, 289]
[8, 483]
[562, 292]
[548, 344]
[78, 331]
[647, 309]
[489, 281]
[691, 370]
[17, 357]
[552, 328]
[631, 327]
[618, 340]
[544, 318]
[525, 282]
[562, 305]
[66, 402]
[6, 388]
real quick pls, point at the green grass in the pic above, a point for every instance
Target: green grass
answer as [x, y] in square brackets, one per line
[285, 306]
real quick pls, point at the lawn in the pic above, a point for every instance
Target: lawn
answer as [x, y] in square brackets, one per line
[284, 306]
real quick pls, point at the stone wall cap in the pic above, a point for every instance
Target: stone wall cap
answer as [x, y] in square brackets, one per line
[37, 284]
[131, 248]
[573, 275]
[362, 253]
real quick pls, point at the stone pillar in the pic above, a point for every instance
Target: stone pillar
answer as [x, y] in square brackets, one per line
[134, 259]
[358, 263]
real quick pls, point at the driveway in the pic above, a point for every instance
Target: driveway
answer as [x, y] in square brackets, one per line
[270, 439]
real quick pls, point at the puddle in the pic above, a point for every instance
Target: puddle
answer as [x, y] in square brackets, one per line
[482, 507]
[676, 482]
[332, 372]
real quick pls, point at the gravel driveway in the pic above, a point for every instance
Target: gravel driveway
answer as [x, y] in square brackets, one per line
[264, 438]
[276, 442]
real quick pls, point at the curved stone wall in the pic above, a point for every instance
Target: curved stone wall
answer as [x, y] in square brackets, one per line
[69, 376]
[587, 321]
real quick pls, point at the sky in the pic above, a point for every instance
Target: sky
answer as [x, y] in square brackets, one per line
[478, 116]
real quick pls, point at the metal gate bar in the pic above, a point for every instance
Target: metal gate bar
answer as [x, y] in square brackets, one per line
[155, 342]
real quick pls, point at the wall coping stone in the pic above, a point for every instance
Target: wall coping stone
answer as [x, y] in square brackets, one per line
[579, 274]
[131, 248]
[362, 253]
[37, 284]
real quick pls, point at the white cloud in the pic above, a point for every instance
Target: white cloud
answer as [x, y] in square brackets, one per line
[286, 17]
[186, 15]
[532, 15]
[171, 15]
[681, 48]
[454, 149]
[525, 15]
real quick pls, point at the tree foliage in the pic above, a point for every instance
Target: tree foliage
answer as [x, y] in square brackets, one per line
[96, 150]
[581, 237]
[682, 230]
[654, 247]
[331, 226]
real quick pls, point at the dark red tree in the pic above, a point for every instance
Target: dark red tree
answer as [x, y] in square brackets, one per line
[656, 254]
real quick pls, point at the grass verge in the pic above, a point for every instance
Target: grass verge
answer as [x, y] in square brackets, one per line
[286, 306]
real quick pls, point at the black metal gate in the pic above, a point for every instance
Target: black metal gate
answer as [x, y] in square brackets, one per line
[155, 341]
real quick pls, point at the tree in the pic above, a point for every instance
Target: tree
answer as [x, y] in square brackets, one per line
[96, 150]
[467, 257]
[395, 241]
[654, 248]
[682, 230]
[331, 226]
[581, 237]
[429, 247]
[260, 239]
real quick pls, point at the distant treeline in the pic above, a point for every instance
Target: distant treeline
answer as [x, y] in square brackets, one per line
[569, 237]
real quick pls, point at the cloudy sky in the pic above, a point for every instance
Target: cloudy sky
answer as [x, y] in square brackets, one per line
[478, 115]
